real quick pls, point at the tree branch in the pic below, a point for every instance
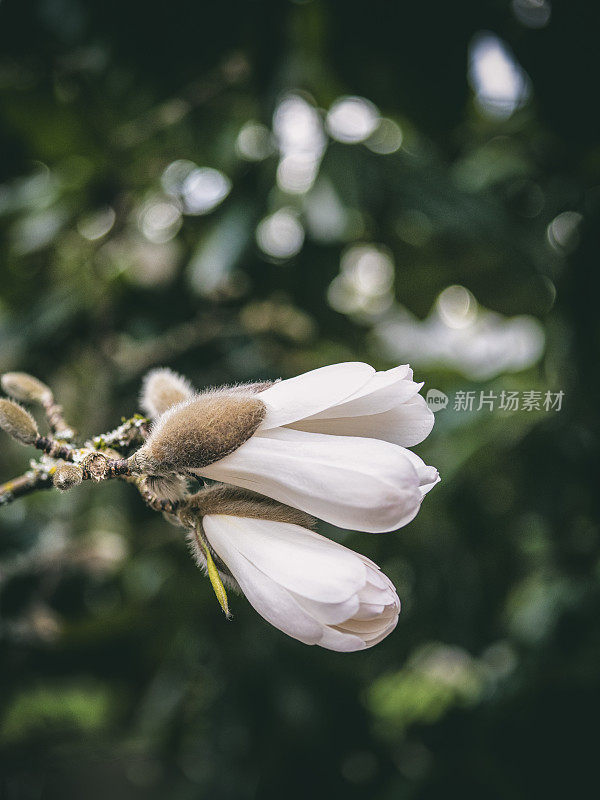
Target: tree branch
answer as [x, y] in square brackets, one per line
[25, 484]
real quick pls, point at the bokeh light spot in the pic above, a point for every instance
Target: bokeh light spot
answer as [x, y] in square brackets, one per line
[160, 221]
[532, 13]
[501, 86]
[254, 141]
[386, 138]
[281, 234]
[299, 133]
[563, 231]
[352, 119]
[97, 224]
[204, 189]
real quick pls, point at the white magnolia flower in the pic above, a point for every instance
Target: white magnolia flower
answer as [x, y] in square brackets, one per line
[313, 589]
[333, 443]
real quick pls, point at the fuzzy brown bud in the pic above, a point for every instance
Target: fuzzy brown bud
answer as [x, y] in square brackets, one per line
[26, 388]
[17, 422]
[67, 476]
[229, 500]
[199, 432]
[162, 389]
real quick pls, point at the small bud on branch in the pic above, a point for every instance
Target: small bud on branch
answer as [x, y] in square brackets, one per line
[67, 476]
[25, 388]
[28, 389]
[17, 422]
[161, 389]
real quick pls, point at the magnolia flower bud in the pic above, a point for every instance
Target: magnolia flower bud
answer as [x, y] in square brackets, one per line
[25, 387]
[17, 422]
[67, 476]
[161, 389]
[198, 432]
[311, 588]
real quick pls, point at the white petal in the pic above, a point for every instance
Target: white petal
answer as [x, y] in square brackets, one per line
[331, 613]
[307, 394]
[372, 595]
[371, 630]
[428, 476]
[340, 641]
[385, 632]
[369, 610]
[407, 424]
[382, 391]
[271, 600]
[376, 578]
[374, 625]
[362, 484]
[301, 561]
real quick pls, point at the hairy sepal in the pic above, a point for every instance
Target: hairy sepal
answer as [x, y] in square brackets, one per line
[234, 502]
[199, 431]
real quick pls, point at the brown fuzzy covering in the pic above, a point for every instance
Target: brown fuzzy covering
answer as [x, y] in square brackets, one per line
[25, 387]
[17, 422]
[200, 431]
[166, 487]
[67, 476]
[252, 388]
[230, 500]
[162, 389]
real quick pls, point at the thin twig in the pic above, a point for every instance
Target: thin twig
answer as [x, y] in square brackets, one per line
[131, 433]
[23, 485]
[55, 449]
[58, 425]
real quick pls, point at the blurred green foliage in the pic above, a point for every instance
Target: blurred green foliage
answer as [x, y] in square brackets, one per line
[119, 675]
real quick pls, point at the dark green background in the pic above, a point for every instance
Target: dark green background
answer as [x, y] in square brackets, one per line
[119, 676]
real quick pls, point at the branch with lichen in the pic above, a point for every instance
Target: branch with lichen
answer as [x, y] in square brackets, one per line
[31, 481]
[63, 463]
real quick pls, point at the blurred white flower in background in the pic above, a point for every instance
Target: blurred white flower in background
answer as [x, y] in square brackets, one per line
[365, 281]
[462, 335]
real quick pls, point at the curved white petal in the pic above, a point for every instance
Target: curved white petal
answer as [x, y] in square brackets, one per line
[256, 552]
[362, 484]
[331, 613]
[382, 391]
[341, 641]
[302, 561]
[293, 399]
[428, 476]
[406, 424]
[272, 601]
